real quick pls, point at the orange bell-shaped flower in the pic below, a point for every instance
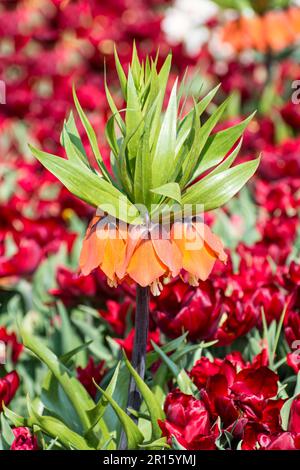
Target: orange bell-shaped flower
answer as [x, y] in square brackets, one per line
[148, 254]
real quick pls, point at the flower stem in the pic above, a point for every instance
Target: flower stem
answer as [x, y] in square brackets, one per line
[139, 351]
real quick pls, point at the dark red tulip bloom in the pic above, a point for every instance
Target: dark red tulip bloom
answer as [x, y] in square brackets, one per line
[24, 262]
[10, 340]
[24, 440]
[116, 314]
[188, 420]
[8, 386]
[91, 371]
[180, 309]
[127, 343]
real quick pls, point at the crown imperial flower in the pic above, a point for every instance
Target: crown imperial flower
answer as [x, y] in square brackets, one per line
[166, 170]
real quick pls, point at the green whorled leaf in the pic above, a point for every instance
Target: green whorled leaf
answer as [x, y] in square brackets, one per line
[214, 191]
[170, 190]
[114, 109]
[56, 429]
[97, 412]
[184, 382]
[218, 145]
[228, 161]
[91, 136]
[136, 67]
[161, 83]
[133, 117]
[154, 408]
[111, 135]
[143, 166]
[205, 130]
[190, 161]
[164, 154]
[121, 74]
[185, 124]
[133, 434]
[71, 141]
[88, 186]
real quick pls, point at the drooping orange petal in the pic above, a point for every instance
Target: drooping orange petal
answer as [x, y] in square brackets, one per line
[92, 251]
[114, 250]
[144, 265]
[198, 258]
[134, 237]
[211, 240]
[169, 253]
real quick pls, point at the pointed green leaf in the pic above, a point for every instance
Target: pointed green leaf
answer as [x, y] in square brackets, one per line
[91, 136]
[170, 190]
[72, 143]
[185, 124]
[74, 390]
[160, 443]
[88, 186]
[218, 145]
[214, 191]
[164, 155]
[152, 404]
[121, 73]
[55, 428]
[133, 434]
[228, 161]
[184, 382]
[133, 117]
[96, 413]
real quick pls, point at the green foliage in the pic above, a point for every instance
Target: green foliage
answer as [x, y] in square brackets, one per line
[156, 156]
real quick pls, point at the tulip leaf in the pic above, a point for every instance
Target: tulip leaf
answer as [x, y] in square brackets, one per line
[98, 411]
[286, 408]
[153, 406]
[160, 443]
[74, 390]
[184, 382]
[56, 429]
[7, 436]
[216, 190]
[15, 419]
[133, 434]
